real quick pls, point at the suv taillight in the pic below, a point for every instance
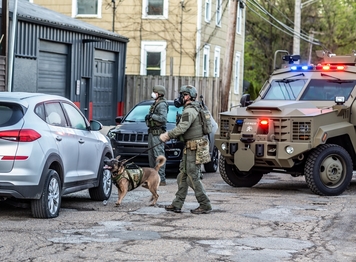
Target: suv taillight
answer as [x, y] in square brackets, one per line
[23, 135]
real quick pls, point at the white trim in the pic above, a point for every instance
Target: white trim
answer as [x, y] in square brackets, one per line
[206, 60]
[237, 73]
[198, 38]
[153, 46]
[75, 14]
[218, 16]
[217, 61]
[146, 16]
[207, 9]
[239, 20]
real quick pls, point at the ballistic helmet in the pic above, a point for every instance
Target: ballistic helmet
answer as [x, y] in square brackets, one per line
[159, 89]
[189, 89]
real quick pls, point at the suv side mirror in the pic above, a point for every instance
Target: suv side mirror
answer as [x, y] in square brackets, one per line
[95, 125]
[118, 120]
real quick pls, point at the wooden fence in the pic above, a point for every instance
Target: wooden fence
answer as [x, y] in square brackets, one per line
[139, 88]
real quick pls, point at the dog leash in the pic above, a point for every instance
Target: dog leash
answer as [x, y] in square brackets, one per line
[127, 160]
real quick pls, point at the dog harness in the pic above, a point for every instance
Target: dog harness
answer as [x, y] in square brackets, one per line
[132, 174]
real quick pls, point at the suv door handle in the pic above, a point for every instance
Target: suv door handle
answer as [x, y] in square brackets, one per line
[81, 141]
[58, 138]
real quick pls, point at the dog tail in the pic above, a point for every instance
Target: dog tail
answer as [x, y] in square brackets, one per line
[160, 160]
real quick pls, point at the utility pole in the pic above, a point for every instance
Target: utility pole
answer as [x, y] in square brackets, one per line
[229, 55]
[311, 39]
[297, 18]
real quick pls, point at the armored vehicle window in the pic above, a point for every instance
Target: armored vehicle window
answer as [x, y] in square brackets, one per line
[285, 89]
[327, 90]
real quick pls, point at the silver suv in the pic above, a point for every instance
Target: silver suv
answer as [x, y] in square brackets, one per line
[49, 149]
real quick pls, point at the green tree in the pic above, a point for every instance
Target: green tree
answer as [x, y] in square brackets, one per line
[270, 24]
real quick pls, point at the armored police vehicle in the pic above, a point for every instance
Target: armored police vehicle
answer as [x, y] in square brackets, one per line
[302, 124]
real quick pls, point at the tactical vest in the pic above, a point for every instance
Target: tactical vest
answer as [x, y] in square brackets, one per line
[152, 124]
[195, 131]
[133, 174]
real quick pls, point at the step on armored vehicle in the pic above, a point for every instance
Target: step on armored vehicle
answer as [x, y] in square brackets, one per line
[302, 124]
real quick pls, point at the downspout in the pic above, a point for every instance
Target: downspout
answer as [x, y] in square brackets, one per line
[12, 46]
[198, 37]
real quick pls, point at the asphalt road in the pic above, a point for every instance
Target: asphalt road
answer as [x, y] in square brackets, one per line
[277, 220]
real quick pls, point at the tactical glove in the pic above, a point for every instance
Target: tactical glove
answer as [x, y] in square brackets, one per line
[147, 117]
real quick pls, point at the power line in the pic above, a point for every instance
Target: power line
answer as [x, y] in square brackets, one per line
[301, 36]
[291, 32]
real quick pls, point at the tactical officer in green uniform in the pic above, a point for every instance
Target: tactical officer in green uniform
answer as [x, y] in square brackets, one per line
[156, 121]
[196, 145]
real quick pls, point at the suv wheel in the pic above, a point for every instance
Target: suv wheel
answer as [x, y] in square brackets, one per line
[328, 170]
[234, 177]
[103, 190]
[50, 202]
[212, 166]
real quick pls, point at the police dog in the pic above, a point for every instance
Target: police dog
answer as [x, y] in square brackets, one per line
[126, 179]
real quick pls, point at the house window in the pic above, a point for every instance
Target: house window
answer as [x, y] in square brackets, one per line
[153, 58]
[218, 12]
[237, 74]
[156, 9]
[86, 8]
[239, 20]
[207, 10]
[153, 63]
[217, 62]
[206, 61]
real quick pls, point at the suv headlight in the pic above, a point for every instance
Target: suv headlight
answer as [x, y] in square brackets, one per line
[111, 135]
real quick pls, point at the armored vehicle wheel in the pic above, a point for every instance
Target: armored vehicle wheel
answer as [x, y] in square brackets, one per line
[328, 170]
[234, 177]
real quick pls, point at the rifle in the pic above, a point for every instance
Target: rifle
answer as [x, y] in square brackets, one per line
[202, 102]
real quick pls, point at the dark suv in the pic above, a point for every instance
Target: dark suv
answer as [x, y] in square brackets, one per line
[130, 138]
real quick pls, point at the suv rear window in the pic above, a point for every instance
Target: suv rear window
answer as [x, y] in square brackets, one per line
[10, 114]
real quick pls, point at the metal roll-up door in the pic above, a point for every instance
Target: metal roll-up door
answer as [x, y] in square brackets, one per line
[104, 105]
[52, 69]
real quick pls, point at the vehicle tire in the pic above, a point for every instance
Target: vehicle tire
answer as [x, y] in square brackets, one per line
[212, 166]
[50, 202]
[328, 170]
[103, 190]
[234, 177]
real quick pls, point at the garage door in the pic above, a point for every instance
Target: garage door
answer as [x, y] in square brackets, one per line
[52, 69]
[104, 104]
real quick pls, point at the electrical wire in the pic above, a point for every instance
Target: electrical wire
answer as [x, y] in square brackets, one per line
[299, 35]
[255, 5]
